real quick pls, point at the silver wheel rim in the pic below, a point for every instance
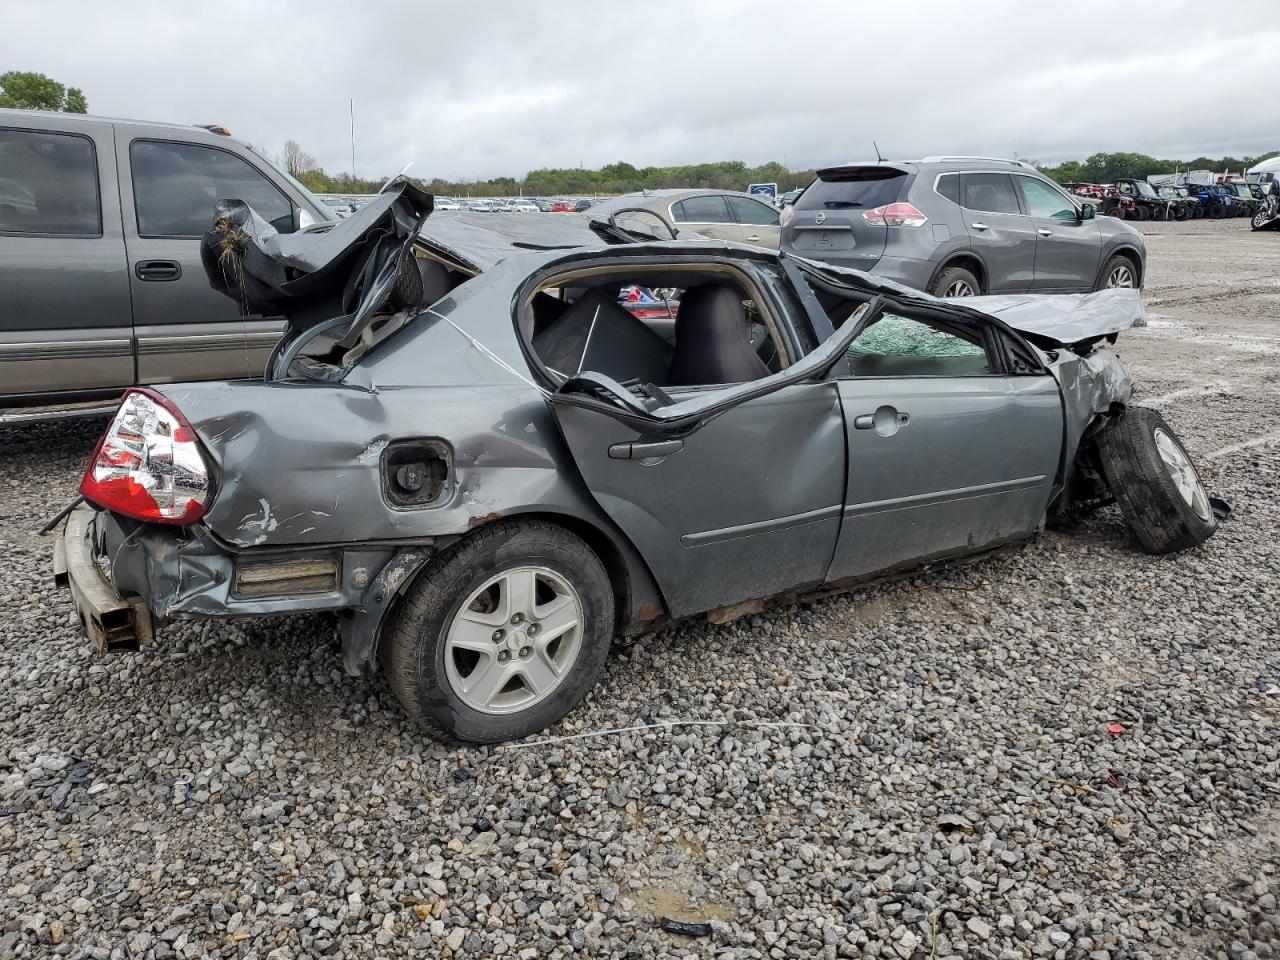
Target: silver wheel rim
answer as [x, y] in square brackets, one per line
[958, 288]
[1184, 476]
[1120, 276]
[513, 642]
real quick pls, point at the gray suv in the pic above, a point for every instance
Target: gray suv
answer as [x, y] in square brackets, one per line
[960, 226]
[101, 284]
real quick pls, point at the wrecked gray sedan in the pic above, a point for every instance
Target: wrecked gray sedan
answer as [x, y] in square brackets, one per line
[487, 467]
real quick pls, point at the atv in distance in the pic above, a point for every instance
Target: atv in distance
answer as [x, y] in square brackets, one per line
[1147, 203]
[1106, 199]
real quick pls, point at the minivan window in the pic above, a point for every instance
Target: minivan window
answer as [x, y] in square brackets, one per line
[702, 210]
[49, 184]
[1044, 201]
[176, 186]
[861, 187]
[989, 193]
[746, 210]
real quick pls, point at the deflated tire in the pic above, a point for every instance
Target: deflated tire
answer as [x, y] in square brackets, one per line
[1154, 482]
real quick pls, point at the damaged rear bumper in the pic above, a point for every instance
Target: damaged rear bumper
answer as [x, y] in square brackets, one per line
[111, 621]
[127, 578]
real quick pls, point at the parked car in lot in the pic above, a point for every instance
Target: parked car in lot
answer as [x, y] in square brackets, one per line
[101, 285]
[488, 472]
[339, 205]
[521, 205]
[483, 206]
[718, 214]
[447, 203]
[961, 226]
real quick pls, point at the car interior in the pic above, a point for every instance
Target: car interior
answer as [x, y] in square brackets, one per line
[714, 333]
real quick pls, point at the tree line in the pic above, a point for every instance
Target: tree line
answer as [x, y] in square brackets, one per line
[23, 90]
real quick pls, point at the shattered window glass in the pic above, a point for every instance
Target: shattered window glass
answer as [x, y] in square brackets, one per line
[895, 346]
[48, 184]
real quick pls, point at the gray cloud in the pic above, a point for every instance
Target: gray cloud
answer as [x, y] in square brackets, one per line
[500, 87]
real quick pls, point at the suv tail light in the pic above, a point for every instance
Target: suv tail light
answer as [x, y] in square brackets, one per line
[148, 464]
[896, 215]
[787, 215]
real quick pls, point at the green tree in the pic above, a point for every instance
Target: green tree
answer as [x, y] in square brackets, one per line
[24, 90]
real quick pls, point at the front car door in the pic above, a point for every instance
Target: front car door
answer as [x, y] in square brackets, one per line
[65, 322]
[760, 222]
[1068, 249]
[1000, 234]
[730, 493]
[707, 215]
[954, 435]
[185, 329]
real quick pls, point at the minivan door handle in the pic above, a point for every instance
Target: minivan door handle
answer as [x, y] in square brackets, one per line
[979, 225]
[754, 238]
[644, 451]
[159, 270]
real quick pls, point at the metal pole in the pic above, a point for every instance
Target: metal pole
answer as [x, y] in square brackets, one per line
[351, 108]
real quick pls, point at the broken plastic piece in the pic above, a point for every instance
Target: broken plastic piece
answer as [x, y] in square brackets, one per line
[77, 775]
[1115, 729]
[1221, 509]
[684, 928]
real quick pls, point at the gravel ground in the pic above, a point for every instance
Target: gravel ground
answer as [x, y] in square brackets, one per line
[1065, 751]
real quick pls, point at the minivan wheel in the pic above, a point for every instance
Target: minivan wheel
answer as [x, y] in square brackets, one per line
[1154, 482]
[956, 282]
[1118, 272]
[502, 634]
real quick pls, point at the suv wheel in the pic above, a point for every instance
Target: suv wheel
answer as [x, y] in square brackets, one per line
[1118, 272]
[502, 635]
[956, 282]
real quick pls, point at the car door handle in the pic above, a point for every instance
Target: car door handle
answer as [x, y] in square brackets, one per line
[160, 270]
[979, 225]
[1045, 233]
[754, 238]
[644, 451]
[885, 421]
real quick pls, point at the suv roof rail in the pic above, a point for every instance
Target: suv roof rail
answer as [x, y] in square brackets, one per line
[1019, 163]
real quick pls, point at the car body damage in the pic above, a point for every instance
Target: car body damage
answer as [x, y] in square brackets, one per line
[772, 440]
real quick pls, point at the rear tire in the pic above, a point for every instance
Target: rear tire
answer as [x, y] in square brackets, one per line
[1217, 211]
[436, 651]
[1154, 482]
[955, 282]
[1141, 213]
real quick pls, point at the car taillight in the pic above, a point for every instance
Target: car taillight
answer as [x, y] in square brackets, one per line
[787, 215]
[896, 215]
[148, 464]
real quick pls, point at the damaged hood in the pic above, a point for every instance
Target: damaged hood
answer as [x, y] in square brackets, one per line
[1066, 318]
[352, 269]
[1047, 319]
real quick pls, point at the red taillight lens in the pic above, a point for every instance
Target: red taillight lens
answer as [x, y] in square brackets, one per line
[896, 215]
[148, 464]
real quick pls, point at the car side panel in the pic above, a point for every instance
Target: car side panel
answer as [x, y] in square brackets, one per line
[65, 317]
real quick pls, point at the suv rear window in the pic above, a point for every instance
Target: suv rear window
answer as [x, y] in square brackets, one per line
[863, 187]
[48, 184]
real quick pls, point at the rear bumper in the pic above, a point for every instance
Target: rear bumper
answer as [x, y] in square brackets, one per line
[112, 621]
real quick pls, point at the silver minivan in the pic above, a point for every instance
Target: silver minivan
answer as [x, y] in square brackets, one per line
[101, 284]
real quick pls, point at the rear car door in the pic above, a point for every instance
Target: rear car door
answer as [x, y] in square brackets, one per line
[65, 326]
[185, 330]
[1068, 249]
[999, 232]
[730, 493]
[707, 215]
[759, 221]
[949, 451]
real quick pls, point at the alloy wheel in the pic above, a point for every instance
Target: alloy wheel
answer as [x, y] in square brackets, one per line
[958, 288]
[514, 641]
[1183, 474]
[1120, 277]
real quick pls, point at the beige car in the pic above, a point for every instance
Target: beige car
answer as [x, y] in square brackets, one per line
[718, 214]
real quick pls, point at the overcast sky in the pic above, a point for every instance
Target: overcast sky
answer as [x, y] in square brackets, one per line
[486, 87]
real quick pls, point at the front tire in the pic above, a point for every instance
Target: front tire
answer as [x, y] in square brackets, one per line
[955, 282]
[1118, 272]
[503, 634]
[1154, 482]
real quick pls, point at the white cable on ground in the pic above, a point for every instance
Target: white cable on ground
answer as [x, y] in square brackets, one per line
[664, 725]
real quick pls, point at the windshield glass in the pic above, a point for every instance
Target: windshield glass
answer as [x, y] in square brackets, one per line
[1145, 189]
[321, 208]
